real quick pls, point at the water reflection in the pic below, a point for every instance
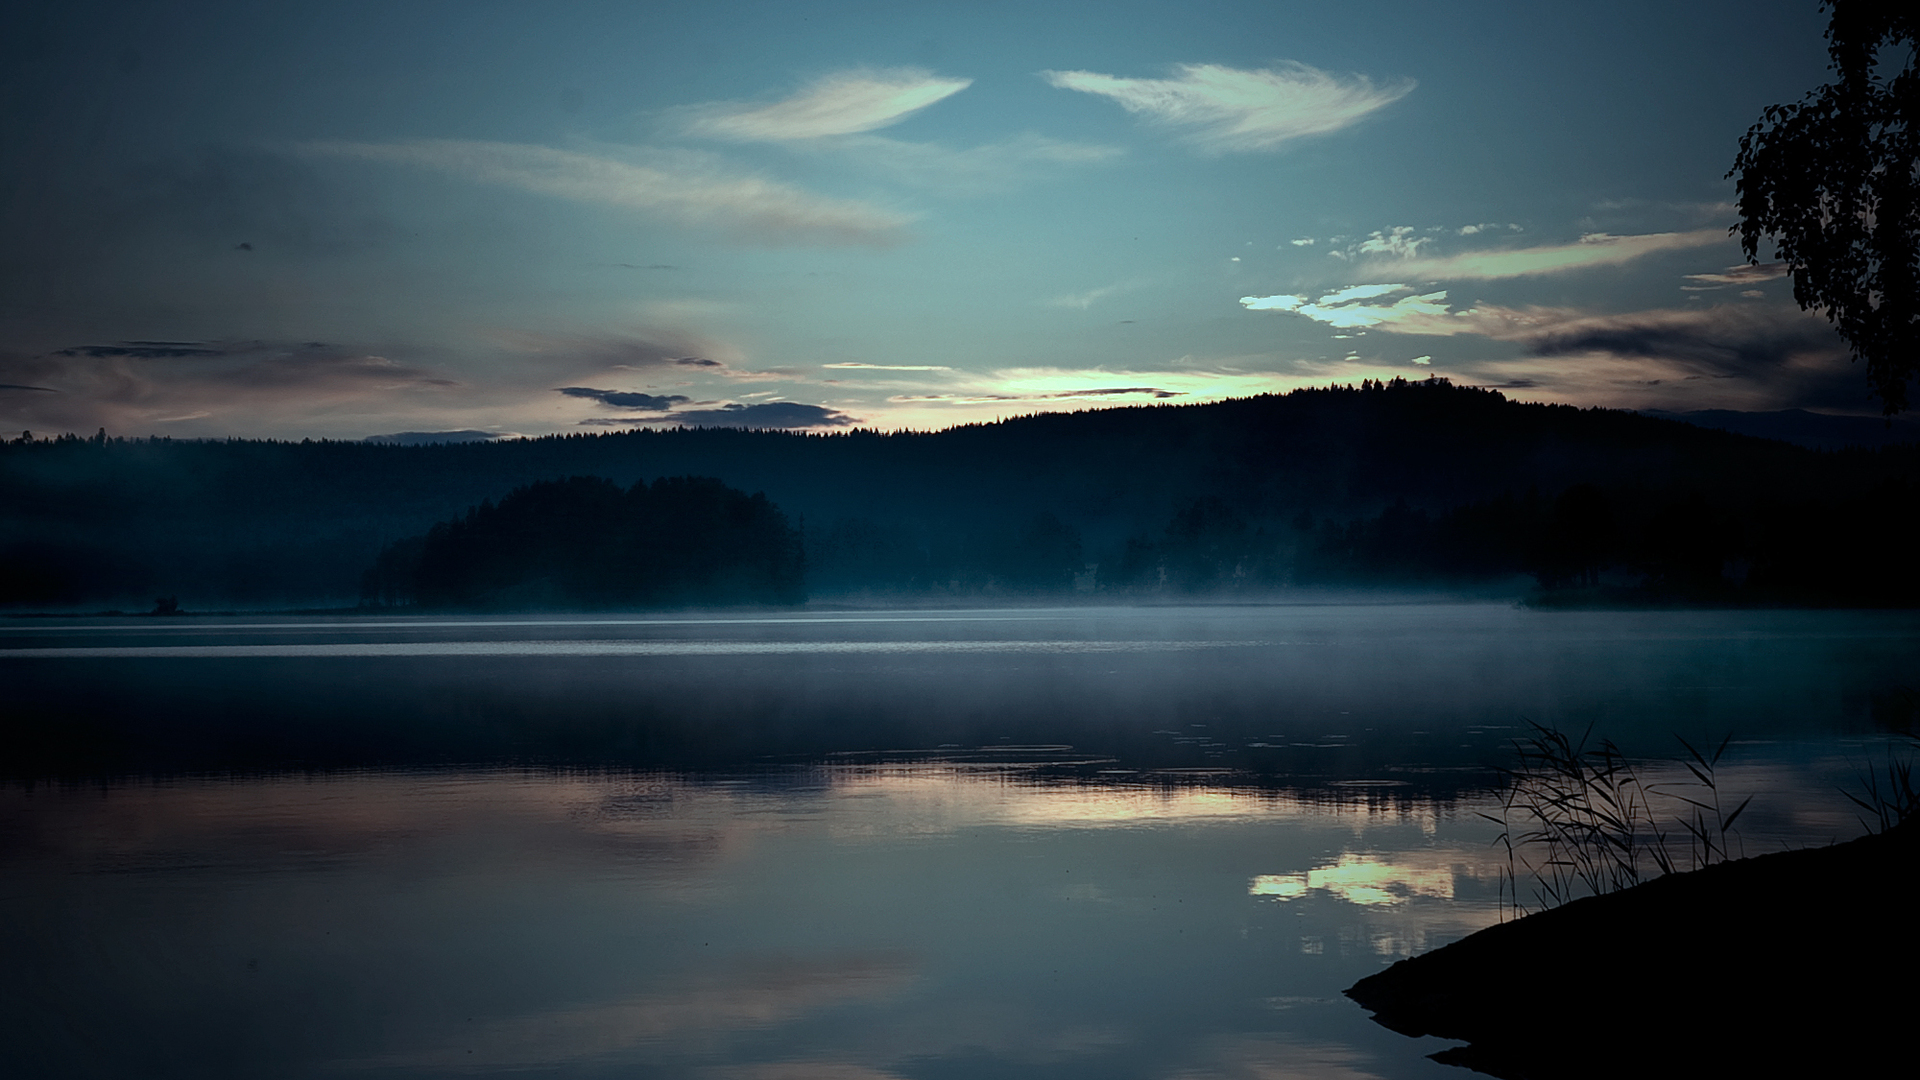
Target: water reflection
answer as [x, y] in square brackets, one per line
[902, 919]
[1361, 879]
[1107, 845]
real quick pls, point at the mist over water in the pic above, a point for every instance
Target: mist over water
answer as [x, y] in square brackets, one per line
[1083, 842]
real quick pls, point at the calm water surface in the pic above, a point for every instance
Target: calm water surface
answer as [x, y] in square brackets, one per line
[1117, 843]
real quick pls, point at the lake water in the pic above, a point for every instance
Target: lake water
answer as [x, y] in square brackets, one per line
[1148, 843]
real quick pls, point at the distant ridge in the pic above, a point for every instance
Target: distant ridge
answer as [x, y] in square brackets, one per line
[1815, 431]
[429, 438]
[1382, 484]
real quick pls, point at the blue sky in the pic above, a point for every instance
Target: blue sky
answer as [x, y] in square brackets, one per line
[354, 219]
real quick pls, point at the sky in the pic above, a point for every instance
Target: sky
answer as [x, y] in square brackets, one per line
[361, 219]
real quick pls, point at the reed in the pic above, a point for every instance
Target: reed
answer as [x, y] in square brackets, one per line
[1888, 792]
[1580, 820]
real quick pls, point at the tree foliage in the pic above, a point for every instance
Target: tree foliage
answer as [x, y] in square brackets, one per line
[1831, 181]
[584, 543]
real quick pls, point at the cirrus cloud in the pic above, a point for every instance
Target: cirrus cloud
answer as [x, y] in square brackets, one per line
[1230, 109]
[683, 187]
[134, 385]
[1591, 250]
[844, 103]
[1743, 274]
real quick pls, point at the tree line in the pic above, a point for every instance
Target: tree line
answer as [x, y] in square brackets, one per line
[1381, 483]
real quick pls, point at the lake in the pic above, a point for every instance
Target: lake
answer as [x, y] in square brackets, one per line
[1127, 842]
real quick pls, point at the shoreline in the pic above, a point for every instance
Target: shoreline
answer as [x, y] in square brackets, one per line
[1775, 964]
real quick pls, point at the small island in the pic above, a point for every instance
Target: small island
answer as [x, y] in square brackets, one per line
[584, 543]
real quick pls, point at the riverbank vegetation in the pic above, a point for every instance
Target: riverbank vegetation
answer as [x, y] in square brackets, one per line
[1725, 965]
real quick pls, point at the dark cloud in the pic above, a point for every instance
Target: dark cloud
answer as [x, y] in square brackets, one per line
[1154, 390]
[93, 239]
[1108, 391]
[426, 438]
[783, 415]
[18, 386]
[627, 399]
[1722, 339]
[234, 384]
[143, 350]
[1788, 357]
[583, 353]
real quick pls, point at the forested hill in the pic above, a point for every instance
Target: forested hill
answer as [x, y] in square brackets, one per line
[1400, 481]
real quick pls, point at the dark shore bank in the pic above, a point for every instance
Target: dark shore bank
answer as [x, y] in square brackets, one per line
[1799, 963]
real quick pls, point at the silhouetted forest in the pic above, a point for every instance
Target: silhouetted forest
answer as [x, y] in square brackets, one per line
[1420, 484]
[583, 543]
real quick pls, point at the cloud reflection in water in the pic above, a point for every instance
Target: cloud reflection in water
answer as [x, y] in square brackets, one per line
[1361, 879]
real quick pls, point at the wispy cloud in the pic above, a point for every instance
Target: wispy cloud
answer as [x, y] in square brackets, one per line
[1230, 109]
[683, 187]
[1040, 386]
[129, 386]
[844, 103]
[1081, 301]
[1400, 242]
[1744, 274]
[1059, 395]
[1724, 356]
[648, 349]
[1735, 334]
[969, 170]
[1591, 250]
[855, 365]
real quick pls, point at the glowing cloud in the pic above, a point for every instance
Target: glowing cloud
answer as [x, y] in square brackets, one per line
[845, 103]
[1399, 242]
[689, 189]
[1228, 109]
[1344, 310]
